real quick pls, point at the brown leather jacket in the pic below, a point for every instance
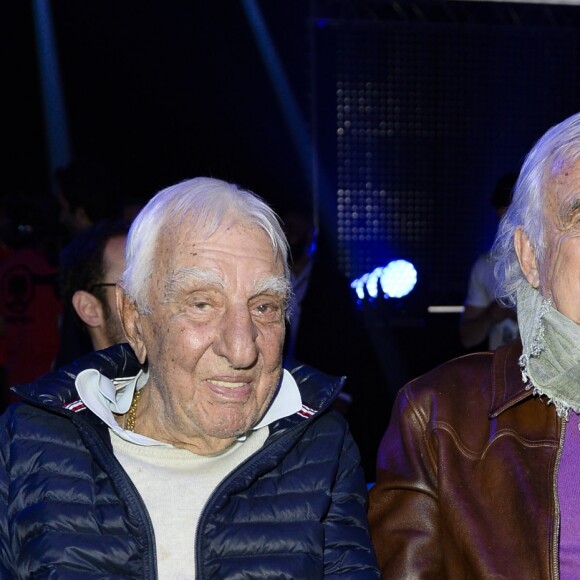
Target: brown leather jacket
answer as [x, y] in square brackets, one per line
[466, 476]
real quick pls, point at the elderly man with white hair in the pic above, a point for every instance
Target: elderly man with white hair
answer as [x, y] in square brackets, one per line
[190, 453]
[478, 470]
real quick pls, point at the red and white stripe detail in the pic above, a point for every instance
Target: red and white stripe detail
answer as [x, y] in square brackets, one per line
[306, 412]
[76, 406]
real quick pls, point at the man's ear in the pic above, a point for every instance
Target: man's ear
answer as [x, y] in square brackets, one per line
[527, 257]
[131, 321]
[88, 308]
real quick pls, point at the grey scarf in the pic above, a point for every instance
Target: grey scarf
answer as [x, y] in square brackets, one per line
[550, 362]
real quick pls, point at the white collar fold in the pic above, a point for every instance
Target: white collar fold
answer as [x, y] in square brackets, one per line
[104, 397]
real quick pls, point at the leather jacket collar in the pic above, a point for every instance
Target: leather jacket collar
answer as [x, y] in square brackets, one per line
[508, 387]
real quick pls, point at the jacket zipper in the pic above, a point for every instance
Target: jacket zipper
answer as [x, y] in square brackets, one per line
[104, 452]
[131, 492]
[246, 464]
[556, 536]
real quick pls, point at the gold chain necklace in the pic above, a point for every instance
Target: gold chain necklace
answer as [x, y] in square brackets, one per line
[132, 412]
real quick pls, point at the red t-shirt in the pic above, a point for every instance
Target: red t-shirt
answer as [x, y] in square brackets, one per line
[31, 308]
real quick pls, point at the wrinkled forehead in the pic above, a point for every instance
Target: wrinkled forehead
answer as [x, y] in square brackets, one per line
[562, 178]
[562, 191]
[181, 240]
[559, 165]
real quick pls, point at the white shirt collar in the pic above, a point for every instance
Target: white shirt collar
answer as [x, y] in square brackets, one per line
[104, 397]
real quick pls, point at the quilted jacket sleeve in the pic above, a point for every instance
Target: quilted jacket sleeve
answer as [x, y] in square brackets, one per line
[5, 550]
[403, 511]
[348, 551]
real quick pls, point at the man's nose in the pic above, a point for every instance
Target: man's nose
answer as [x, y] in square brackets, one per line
[236, 340]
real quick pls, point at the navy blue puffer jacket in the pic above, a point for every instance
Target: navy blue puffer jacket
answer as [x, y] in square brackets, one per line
[294, 510]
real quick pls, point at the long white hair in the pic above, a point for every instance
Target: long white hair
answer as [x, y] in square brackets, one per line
[558, 148]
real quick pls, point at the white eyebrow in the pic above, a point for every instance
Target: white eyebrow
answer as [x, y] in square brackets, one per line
[273, 285]
[180, 279]
[277, 285]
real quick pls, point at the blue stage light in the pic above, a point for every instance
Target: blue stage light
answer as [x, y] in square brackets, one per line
[372, 283]
[395, 280]
[398, 278]
[359, 286]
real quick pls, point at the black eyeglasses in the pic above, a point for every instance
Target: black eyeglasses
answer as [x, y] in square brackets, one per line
[101, 285]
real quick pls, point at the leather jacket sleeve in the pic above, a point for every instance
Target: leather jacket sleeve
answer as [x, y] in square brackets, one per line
[404, 504]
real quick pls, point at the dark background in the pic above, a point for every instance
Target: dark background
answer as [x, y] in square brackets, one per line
[163, 90]
[406, 114]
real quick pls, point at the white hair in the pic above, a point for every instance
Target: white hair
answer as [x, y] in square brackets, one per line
[202, 204]
[558, 148]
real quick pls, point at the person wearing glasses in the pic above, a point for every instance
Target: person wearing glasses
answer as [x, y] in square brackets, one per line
[90, 266]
